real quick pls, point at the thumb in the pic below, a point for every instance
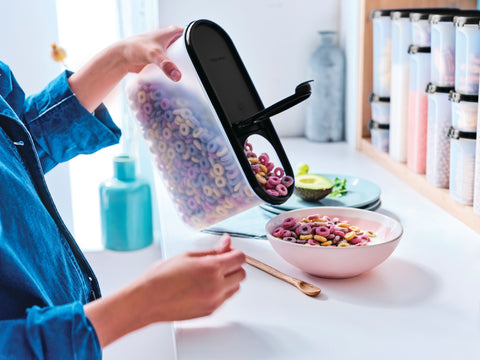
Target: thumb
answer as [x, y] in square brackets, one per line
[224, 244]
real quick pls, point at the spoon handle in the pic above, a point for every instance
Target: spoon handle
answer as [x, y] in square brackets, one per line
[278, 274]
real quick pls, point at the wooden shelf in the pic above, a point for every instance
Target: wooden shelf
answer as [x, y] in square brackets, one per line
[419, 182]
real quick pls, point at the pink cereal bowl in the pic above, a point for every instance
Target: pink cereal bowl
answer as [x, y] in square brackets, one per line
[339, 262]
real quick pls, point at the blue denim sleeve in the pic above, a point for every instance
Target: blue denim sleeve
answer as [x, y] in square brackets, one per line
[46, 333]
[62, 128]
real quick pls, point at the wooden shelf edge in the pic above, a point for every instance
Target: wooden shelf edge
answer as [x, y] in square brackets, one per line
[441, 197]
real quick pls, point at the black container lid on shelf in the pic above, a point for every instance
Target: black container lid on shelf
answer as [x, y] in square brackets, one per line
[375, 98]
[405, 13]
[432, 89]
[469, 18]
[414, 49]
[458, 134]
[457, 97]
[425, 15]
[372, 124]
[376, 13]
[449, 16]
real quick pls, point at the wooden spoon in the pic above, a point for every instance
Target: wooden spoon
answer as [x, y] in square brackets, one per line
[303, 286]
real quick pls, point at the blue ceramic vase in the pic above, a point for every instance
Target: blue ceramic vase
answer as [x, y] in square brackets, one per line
[126, 208]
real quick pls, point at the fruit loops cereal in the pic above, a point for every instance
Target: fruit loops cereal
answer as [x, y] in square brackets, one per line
[272, 179]
[315, 230]
[193, 157]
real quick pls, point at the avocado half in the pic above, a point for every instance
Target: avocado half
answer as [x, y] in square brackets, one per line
[311, 187]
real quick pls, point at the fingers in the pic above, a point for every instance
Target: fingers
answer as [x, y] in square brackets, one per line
[170, 69]
[171, 34]
[231, 261]
[224, 244]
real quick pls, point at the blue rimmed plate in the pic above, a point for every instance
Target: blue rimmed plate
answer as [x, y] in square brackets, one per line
[361, 192]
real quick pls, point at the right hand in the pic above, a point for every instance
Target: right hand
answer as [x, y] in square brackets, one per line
[193, 284]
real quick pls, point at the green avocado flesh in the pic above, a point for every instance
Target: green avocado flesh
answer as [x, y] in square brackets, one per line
[310, 187]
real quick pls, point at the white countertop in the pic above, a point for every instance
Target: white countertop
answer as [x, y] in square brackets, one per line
[421, 303]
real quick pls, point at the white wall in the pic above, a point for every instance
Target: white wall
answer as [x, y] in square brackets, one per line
[274, 38]
[27, 30]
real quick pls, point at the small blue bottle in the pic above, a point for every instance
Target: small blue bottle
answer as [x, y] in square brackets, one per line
[325, 109]
[126, 208]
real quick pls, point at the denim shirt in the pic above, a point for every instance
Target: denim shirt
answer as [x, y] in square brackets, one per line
[44, 278]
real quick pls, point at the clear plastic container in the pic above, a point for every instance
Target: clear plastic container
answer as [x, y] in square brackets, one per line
[464, 111]
[419, 63]
[442, 70]
[438, 144]
[379, 133]
[382, 51]
[401, 40]
[420, 28]
[467, 54]
[462, 165]
[210, 137]
[380, 107]
[476, 190]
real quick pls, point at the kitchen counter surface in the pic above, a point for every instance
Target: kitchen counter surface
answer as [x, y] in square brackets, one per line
[422, 303]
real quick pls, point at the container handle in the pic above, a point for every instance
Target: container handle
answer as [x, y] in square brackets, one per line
[302, 92]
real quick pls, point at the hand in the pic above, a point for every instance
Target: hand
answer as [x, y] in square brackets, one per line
[93, 81]
[183, 287]
[193, 284]
[150, 48]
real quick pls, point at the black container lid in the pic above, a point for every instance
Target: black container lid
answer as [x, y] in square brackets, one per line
[235, 99]
[458, 134]
[414, 49]
[405, 13]
[376, 13]
[372, 124]
[432, 89]
[457, 97]
[375, 98]
[449, 16]
[469, 18]
[417, 16]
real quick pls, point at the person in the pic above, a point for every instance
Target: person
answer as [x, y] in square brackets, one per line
[51, 307]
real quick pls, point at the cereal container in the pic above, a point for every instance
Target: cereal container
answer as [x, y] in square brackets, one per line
[476, 190]
[401, 40]
[379, 133]
[420, 28]
[442, 69]
[462, 164]
[438, 144]
[382, 51]
[211, 139]
[380, 106]
[464, 111]
[418, 107]
[467, 53]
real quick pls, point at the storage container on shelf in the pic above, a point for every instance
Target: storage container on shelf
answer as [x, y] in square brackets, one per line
[419, 63]
[462, 165]
[442, 38]
[467, 53]
[476, 188]
[382, 51]
[420, 28]
[379, 133]
[401, 40]
[380, 106]
[438, 144]
[211, 139]
[420, 23]
[379, 123]
[464, 111]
